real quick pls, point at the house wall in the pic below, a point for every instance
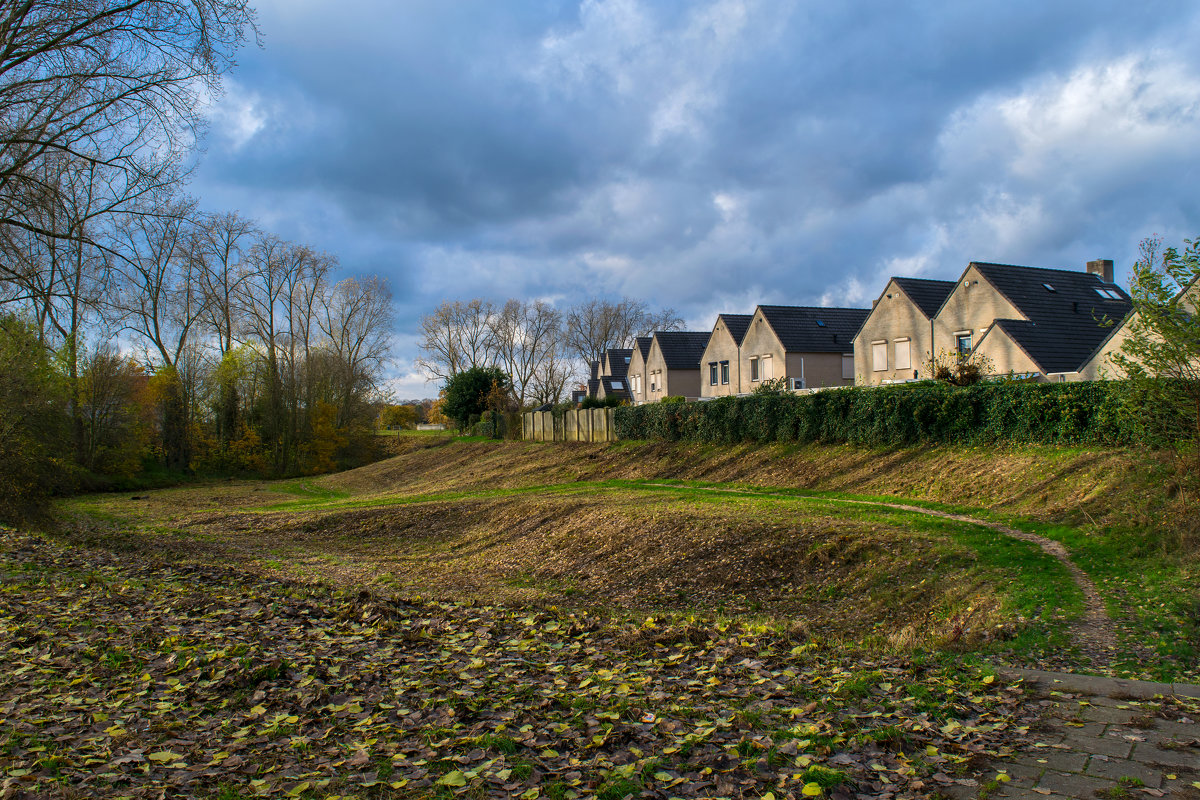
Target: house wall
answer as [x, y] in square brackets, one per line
[760, 341]
[637, 367]
[1101, 366]
[894, 316]
[1005, 355]
[972, 306]
[669, 382]
[721, 347]
[818, 369]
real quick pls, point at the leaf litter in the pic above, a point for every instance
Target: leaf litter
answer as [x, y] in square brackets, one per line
[127, 677]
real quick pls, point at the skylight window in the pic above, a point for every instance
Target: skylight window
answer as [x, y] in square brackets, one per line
[1111, 294]
[617, 385]
[1049, 288]
[820, 323]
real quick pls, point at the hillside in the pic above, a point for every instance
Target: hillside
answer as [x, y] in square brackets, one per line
[776, 534]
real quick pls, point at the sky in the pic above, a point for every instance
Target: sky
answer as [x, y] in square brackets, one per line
[706, 156]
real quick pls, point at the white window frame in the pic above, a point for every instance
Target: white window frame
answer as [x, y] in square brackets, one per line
[713, 374]
[724, 373]
[879, 364]
[958, 337]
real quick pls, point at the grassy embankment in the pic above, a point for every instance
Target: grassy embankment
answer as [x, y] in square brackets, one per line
[591, 526]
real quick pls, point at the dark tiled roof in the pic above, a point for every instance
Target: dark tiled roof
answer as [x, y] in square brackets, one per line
[611, 390]
[1064, 327]
[643, 345]
[736, 324]
[593, 386]
[810, 329]
[927, 294]
[682, 349]
[616, 361]
[594, 366]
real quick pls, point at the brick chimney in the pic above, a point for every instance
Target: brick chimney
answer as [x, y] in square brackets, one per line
[1102, 267]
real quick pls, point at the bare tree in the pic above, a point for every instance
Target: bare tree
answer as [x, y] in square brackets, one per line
[456, 337]
[219, 248]
[525, 335]
[117, 83]
[552, 374]
[595, 326]
[357, 317]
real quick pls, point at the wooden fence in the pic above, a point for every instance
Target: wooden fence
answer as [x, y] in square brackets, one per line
[579, 425]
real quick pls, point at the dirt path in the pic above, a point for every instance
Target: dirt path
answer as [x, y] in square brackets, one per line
[1094, 631]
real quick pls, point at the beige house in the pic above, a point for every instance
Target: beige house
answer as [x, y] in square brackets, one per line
[612, 380]
[1100, 365]
[1031, 321]
[810, 346]
[895, 342]
[673, 365]
[638, 388]
[721, 364]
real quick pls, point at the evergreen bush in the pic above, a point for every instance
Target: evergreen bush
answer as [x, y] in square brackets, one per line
[1100, 412]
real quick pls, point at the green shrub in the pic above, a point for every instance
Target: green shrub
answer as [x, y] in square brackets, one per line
[1100, 412]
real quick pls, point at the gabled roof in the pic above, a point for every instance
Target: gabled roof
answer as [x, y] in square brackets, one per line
[614, 386]
[616, 361]
[927, 294]
[812, 329]
[1064, 308]
[593, 386]
[682, 349]
[642, 345]
[736, 324]
[594, 366]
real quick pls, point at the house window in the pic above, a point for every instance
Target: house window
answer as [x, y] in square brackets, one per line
[903, 354]
[768, 372]
[962, 341]
[618, 385]
[754, 368]
[627, 359]
[879, 356]
[712, 373]
[847, 367]
[724, 373]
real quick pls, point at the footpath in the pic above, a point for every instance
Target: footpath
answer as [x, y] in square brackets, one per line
[1103, 738]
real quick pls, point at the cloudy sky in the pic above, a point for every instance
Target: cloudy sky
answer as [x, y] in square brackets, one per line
[709, 155]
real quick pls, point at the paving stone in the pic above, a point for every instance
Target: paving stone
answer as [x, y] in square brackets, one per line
[1105, 745]
[1073, 785]
[1147, 754]
[1060, 760]
[1108, 715]
[1186, 690]
[1118, 768]
[1021, 793]
[1087, 729]
[1178, 730]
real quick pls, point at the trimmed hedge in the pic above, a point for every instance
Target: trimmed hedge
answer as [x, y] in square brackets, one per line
[1099, 412]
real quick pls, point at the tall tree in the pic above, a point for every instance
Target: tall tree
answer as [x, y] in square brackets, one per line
[595, 326]
[457, 336]
[525, 335]
[117, 83]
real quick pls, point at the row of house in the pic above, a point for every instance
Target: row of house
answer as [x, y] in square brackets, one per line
[1046, 324]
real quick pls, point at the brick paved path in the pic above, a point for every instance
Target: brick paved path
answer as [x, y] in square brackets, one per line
[1103, 738]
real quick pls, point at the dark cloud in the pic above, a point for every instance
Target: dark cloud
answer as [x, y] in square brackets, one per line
[708, 155]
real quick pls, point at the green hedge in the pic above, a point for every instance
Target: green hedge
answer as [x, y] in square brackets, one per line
[1100, 412]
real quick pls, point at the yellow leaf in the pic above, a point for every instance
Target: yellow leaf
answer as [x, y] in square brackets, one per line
[455, 778]
[989, 679]
[811, 790]
[164, 755]
[1003, 777]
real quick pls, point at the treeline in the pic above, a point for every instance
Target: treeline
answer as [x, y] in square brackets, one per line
[542, 349]
[138, 334]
